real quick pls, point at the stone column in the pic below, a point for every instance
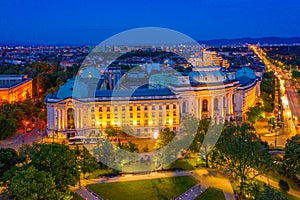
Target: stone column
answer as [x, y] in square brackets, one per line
[63, 118]
[221, 103]
[200, 108]
[212, 107]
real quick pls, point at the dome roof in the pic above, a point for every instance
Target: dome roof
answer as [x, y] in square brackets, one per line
[245, 72]
[245, 75]
[67, 90]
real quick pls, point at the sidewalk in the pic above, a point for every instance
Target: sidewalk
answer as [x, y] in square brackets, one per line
[192, 193]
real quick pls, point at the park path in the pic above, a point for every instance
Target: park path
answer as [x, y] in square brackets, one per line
[207, 178]
[87, 194]
[273, 183]
[192, 193]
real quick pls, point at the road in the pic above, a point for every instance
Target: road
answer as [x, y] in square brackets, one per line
[21, 138]
[291, 113]
[294, 101]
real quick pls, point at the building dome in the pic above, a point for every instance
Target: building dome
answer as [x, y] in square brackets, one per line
[245, 75]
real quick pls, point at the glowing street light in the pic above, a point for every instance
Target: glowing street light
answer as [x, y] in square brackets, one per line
[155, 135]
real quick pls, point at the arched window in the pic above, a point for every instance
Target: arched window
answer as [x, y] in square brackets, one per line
[204, 105]
[216, 104]
[70, 118]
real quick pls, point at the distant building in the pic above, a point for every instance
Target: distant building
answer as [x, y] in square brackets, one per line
[209, 58]
[15, 87]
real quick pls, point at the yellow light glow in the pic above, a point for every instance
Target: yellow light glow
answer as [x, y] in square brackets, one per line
[155, 135]
[134, 122]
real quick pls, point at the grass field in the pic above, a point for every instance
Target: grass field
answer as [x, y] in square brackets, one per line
[162, 188]
[211, 193]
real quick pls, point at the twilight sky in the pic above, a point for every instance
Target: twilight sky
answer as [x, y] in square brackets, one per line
[92, 21]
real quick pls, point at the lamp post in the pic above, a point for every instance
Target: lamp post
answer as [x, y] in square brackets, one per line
[26, 123]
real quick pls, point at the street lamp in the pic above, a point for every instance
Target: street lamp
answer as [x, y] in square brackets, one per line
[26, 123]
[155, 135]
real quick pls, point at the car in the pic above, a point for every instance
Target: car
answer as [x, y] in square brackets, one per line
[29, 129]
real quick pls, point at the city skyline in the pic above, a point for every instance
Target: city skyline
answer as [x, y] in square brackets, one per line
[78, 23]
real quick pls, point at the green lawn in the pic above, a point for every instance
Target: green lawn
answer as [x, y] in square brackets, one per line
[277, 176]
[184, 164]
[97, 173]
[212, 193]
[162, 188]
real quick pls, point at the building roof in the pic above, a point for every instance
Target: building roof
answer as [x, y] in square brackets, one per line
[245, 76]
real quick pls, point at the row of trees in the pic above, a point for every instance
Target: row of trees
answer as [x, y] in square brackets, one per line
[43, 171]
[267, 89]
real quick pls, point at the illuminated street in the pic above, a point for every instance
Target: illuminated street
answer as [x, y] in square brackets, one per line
[291, 104]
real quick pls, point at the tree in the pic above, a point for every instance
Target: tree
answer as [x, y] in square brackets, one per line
[165, 136]
[199, 136]
[272, 121]
[291, 158]
[241, 154]
[284, 186]
[8, 158]
[104, 152]
[8, 126]
[32, 184]
[59, 160]
[146, 148]
[131, 147]
[110, 132]
[261, 191]
[86, 161]
[255, 113]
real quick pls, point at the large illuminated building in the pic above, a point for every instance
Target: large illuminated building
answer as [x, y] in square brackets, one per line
[207, 92]
[15, 87]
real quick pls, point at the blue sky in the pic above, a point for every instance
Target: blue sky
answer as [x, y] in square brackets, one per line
[92, 21]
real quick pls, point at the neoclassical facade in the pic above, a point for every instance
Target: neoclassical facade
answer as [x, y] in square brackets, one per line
[207, 92]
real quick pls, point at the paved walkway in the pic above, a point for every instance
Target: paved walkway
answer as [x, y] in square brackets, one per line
[192, 193]
[87, 194]
[273, 183]
[207, 178]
